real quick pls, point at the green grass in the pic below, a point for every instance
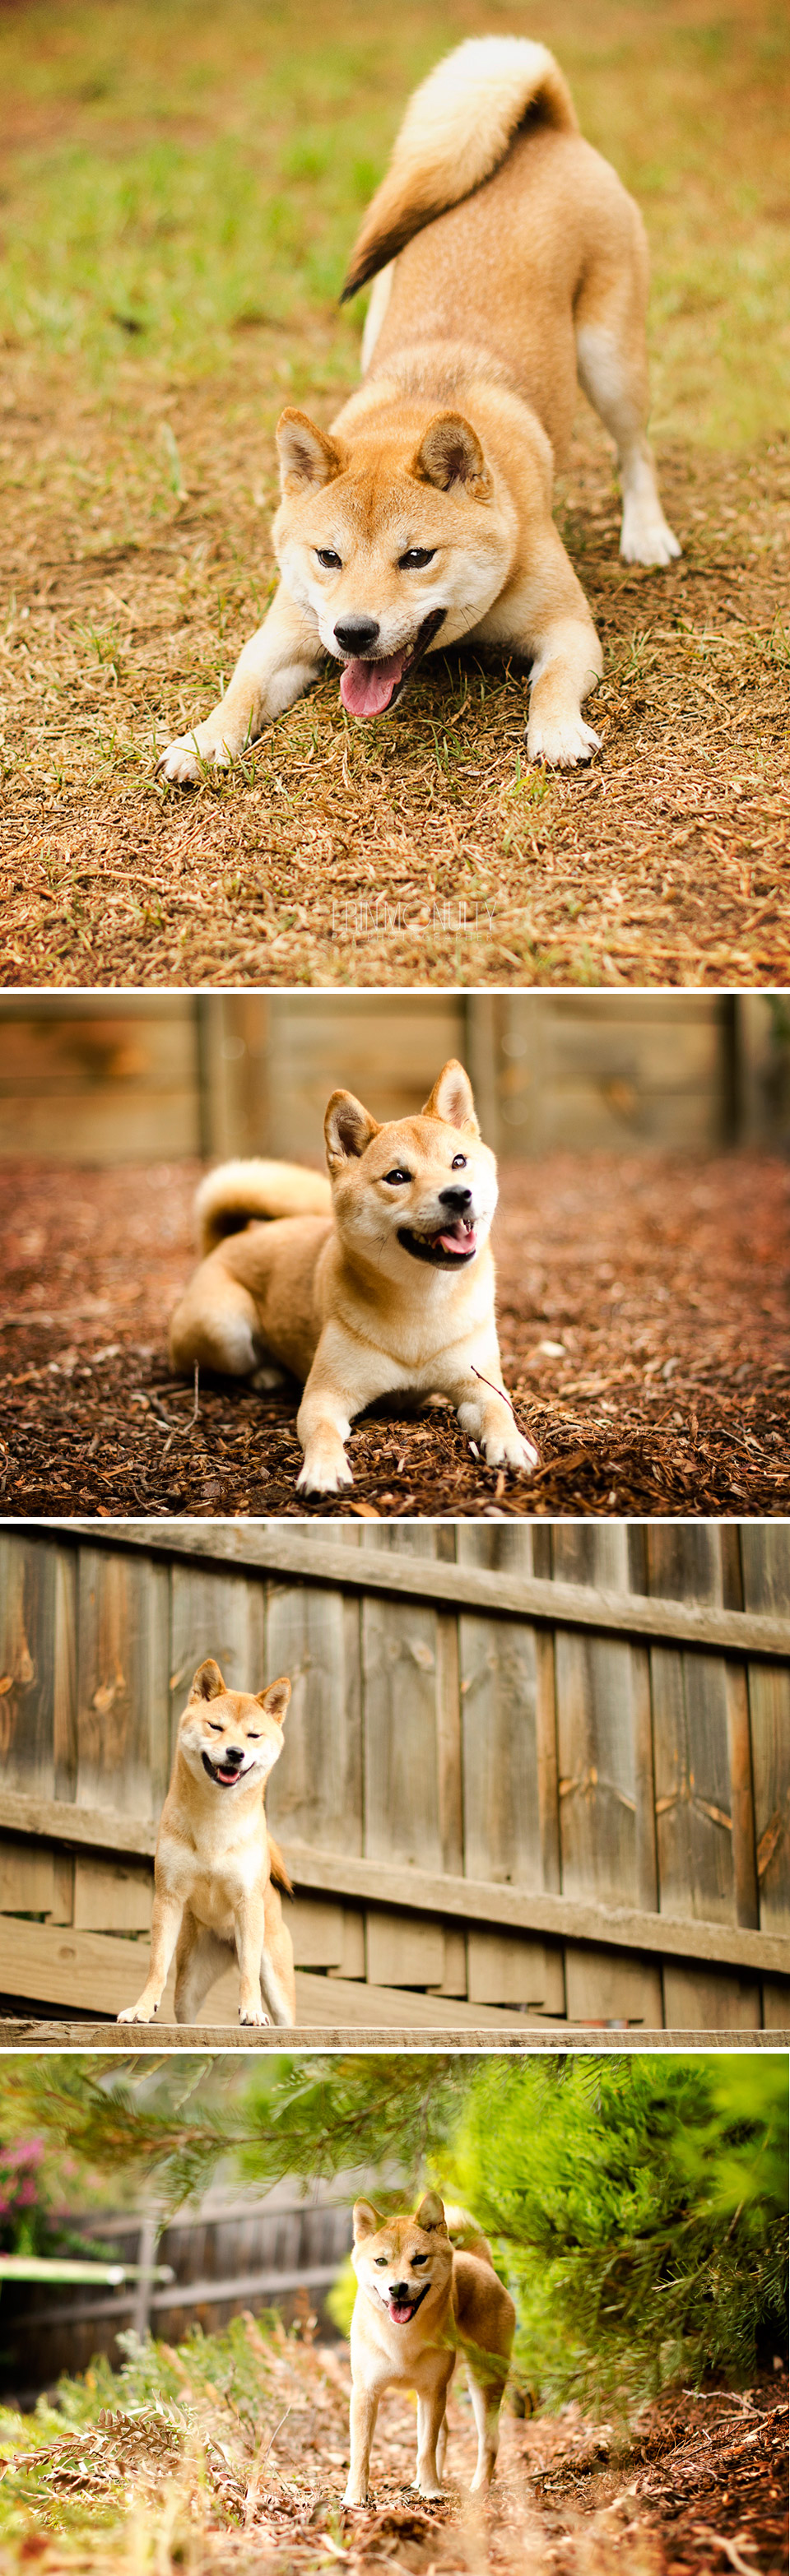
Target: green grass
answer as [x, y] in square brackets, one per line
[183, 184]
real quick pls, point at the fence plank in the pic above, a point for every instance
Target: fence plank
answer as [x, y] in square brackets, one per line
[765, 1557]
[315, 1792]
[121, 1723]
[28, 1580]
[402, 1819]
[598, 1782]
[693, 1785]
[502, 1820]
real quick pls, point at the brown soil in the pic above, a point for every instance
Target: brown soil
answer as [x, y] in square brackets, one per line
[643, 1325]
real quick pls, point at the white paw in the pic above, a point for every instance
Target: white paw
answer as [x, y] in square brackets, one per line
[647, 540]
[139, 2012]
[510, 1449]
[433, 2494]
[355, 2499]
[187, 759]
[255, 2018]
[324, 1472]
[563, 746]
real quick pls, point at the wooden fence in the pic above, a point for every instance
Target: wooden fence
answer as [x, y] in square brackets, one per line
[227, 2254]
[536, 1772]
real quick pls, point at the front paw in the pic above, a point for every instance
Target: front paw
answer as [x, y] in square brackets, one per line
[325, 1470]
[253, 2017]
[139, 2012]
[187, 759]
[351, 2498]
[565, 744]
[509, 1448]
[647, 539]
[426, 2487]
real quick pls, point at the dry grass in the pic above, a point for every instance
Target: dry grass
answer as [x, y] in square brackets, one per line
[643, 1330]
[186, 214]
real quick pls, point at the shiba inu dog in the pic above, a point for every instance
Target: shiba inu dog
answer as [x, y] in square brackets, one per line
[509, 264]
[419, 2303]
[215, 1869]
[391, 1287]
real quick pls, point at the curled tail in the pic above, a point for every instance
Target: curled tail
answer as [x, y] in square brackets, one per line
[456, 131]
[228, 1197]
[466, 2235]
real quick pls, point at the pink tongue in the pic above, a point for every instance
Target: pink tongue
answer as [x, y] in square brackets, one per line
[400, 2315]
[366, 687]
[457, 1242]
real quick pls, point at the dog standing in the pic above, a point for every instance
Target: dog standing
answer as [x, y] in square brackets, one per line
[419, 2302]
[391, 1288]
[509, 263]
[215, 1896]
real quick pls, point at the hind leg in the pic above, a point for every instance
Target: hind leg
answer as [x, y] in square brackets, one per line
[611, 356]
[278, 1984]
[486, 2402]
[216, 1324]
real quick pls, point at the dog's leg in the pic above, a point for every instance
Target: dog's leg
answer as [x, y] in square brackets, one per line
[484, 1411]
[611, 356]
[200, 1959]
[364, 2410]
[345, 1376]
[430, 2421]
[278, 1985]
[545, 619]
[165, 1928]
[216, 1324]
[486, 2403]
[250, 1931]
[441, 2448]
[277, 665]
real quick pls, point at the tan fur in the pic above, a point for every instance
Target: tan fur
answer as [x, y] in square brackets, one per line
[520, 270]
[215, 1867]
[341, 1302]
[464, 2308]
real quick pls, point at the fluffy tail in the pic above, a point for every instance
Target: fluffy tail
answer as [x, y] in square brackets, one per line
[228, 1197]
[466, 2235]
[277, 1868]
[456, 131]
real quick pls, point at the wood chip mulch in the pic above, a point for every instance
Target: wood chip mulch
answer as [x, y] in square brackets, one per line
[643, 1327]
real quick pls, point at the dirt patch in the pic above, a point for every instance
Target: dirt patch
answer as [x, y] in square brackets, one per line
[697, 2485]
[396, 852]
[643, 1328]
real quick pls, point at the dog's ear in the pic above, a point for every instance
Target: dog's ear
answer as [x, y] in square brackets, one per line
[452, 1098]
[275, 1698]
[208, 1682]
[450, 452]
[307, 456]
[431, 2212]
[366, 2220]
[348, 1128]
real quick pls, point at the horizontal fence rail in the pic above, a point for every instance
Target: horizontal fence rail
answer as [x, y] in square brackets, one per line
[535, 1771]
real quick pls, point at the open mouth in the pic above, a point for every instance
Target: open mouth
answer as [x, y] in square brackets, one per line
[401, 2311]
[373, 688]
[221, 1773]
[447, 1248]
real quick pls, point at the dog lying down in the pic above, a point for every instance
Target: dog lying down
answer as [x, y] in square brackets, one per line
[509, 264]
[377, 1281]
[217, 1873]
[427, 2290]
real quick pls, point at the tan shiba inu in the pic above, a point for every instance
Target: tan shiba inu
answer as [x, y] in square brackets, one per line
[215, 1865]
[509, 263]
[391, 1288]
[419, 2303]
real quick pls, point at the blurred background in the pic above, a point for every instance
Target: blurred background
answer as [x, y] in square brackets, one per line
[111, 1079]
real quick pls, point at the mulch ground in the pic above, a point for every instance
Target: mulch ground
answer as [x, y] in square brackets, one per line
[393, 852]
[643, 1329]
[699, 2484]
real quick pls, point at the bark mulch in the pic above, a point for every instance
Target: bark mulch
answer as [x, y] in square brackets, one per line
[643, 1327]
[697, 2484]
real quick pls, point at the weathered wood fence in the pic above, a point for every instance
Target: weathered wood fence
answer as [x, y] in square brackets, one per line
[227, 2254]
[541, 1772]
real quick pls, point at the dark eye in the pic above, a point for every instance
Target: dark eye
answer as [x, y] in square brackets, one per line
[418, 2258]
[326, 556]
[415, 557]
[458, 1163]
[397, 1178]
[381, 2260]
[252, 1739]
[215, 1726]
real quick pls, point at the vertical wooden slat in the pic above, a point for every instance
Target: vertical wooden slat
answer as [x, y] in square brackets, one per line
[693, 1736]
[503, 1837]
[402, 1818]
[27, 1688]
[601, 1712]
[451, 1785]
[765, 1555]
[121, 1722]
[315, 1794]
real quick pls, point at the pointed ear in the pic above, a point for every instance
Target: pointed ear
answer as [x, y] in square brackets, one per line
[431, 2212]
[452, 1098]
[348, 1128]
[208, 1682]
[275, 1698]
[450, 452]
[307, 456]
[366, 2220]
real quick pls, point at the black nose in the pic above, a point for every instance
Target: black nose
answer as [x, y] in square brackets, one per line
[457, 1199]
[357, 635]
[400, 2292]
[234, 1754]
